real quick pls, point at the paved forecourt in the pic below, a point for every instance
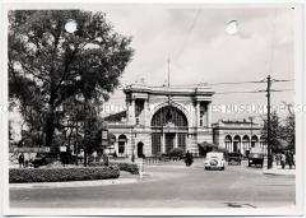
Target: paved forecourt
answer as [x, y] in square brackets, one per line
[169, 185]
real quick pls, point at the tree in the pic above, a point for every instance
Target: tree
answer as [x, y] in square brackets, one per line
[282, 134]
[275, 131]
[288, 129]
[48, 65]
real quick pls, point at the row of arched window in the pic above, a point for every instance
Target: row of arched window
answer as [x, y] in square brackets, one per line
[245, 142]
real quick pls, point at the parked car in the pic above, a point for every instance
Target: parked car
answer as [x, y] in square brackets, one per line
[41, 159]
[234, 158]
[256, 159]
[214, 160]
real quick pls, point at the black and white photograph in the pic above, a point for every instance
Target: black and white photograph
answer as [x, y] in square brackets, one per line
[153, 108]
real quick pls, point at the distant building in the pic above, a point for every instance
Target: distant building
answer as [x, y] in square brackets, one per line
[238, 136]
[160, 119]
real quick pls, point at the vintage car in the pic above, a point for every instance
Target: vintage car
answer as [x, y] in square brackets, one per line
[256, 159]
[214, 160]
[41, 159]
[234, 158]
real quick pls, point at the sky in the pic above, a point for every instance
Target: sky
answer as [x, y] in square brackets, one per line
[194, 37]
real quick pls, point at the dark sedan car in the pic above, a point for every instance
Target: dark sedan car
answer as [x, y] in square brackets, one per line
[41, 159]
[234, 158]
[256, 159]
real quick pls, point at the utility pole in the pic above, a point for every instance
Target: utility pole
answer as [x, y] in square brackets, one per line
[168, 72]
[251, 119]
[269, 165]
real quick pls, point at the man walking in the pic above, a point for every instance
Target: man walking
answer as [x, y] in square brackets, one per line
[283, 160]
[188, 159]
[21, 160]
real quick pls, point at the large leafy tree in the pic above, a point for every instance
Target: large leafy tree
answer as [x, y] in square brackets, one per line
[48, 65]
[282, 134]
[275, 131]
[288, 129]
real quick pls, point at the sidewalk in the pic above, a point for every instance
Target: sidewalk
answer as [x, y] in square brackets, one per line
[278, 171]
[125, 178]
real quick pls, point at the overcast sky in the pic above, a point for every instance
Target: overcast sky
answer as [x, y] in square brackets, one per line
[201, 50]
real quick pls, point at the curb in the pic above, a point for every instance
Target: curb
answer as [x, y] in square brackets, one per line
[291, 175]
[74, 184]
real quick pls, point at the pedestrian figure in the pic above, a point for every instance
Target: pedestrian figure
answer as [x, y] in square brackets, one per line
[188, 159]
[287, 158]
[21, 160]
[283, 160]
[290, 160]
[277, 159]
[105, 159]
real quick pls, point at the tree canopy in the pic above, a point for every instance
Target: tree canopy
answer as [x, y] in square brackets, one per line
[48, 65]
[280, 132]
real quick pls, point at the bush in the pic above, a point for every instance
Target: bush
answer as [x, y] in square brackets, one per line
[27, 175]
[176, 153]
[128, 167]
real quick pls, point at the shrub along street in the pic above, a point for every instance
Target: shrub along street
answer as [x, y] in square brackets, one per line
[128, 167]
[27, 175]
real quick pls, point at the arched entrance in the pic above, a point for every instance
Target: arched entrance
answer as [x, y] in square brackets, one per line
[169, 126]
[140, 150]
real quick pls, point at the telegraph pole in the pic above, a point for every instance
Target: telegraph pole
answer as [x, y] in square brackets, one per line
[251, 119]
[269, 165]
[168, 71]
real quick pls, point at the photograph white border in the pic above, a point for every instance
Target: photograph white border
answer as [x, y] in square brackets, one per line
[300, 98]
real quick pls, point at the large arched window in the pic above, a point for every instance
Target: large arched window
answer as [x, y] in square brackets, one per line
[262, 141]
[122, 139]
[246, 142]
[254, 141]
[169, 115]
[237, 144]
[228, 142]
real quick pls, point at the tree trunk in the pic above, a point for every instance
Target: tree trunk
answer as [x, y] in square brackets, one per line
[50, 126]
[85, 158]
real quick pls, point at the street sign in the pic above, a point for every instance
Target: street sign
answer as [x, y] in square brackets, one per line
[104, 134]
[63, 149]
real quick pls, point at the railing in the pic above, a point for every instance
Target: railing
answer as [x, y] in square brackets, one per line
[161, 160]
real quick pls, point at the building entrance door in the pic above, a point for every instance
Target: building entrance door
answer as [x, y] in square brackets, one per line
[169, 141]
[140, 150]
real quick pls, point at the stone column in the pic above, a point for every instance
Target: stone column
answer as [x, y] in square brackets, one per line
[208, 115]
[145, 114]
[187, 141]
[163, 147]
[175, 141]
[132, 113]
[197, 122]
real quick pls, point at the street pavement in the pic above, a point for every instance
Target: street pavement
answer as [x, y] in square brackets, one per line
[169, 186]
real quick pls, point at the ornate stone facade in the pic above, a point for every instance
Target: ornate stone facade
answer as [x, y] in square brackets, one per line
[159, 119]
[237, 136]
